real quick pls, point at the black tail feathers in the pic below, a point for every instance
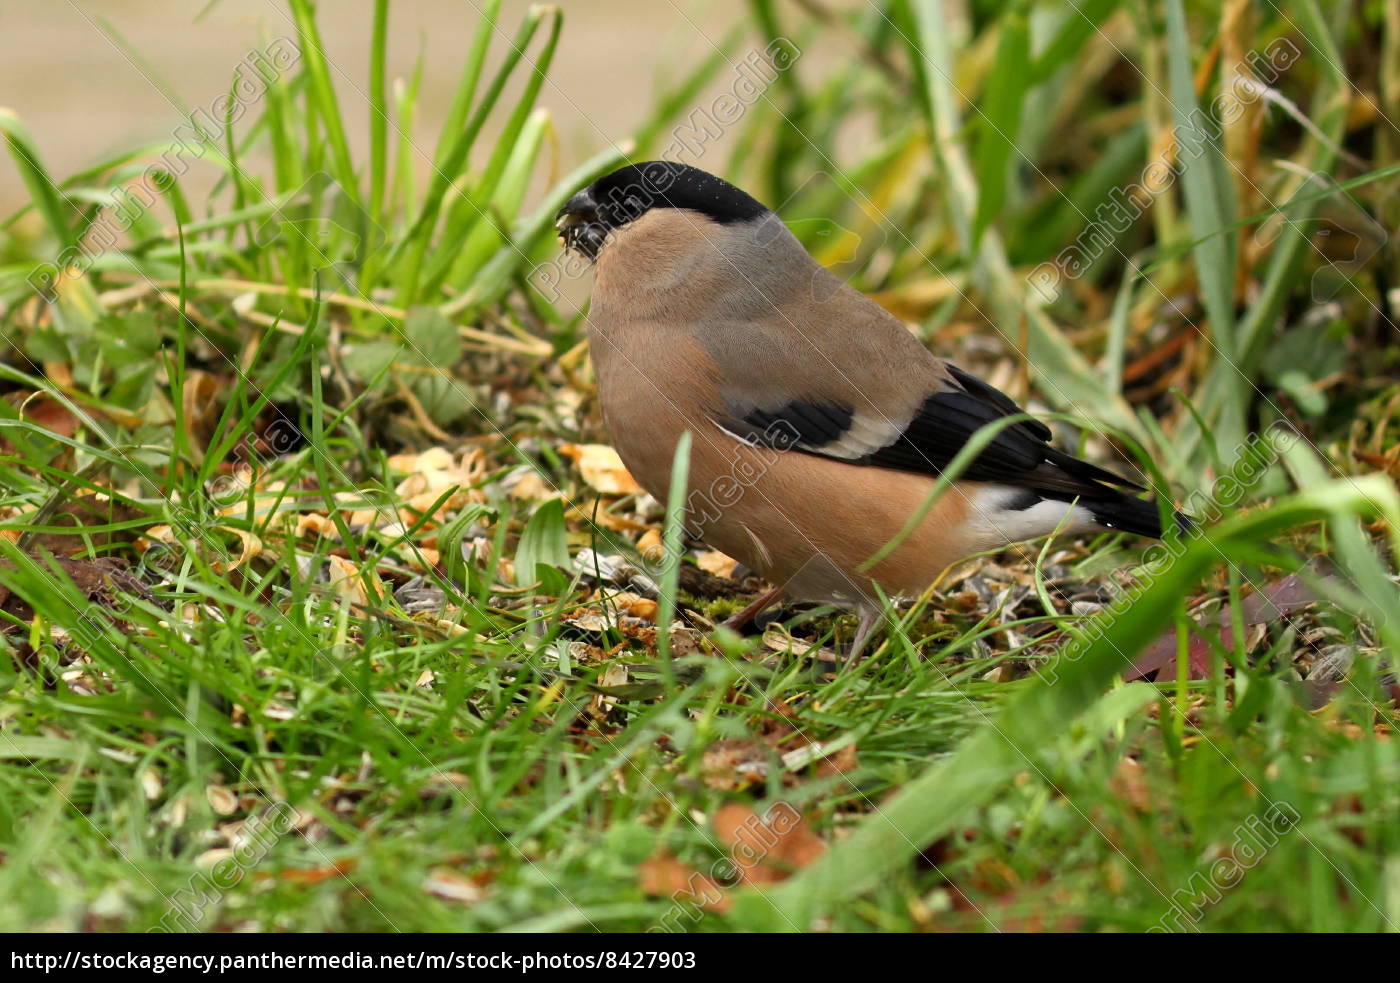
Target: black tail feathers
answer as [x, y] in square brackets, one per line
[1138, 516]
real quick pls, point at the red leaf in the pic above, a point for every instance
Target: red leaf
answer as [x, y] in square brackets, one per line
[1278, 600]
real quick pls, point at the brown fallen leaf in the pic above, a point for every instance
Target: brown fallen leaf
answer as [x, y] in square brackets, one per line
[445, 883]
[42, 410]
[838, 762]
[780, 730]
[103, 580]
[1277, 600]
[347, 581]
[762, 851]
[662, 875]
[1129, 785]
[315, 875]
[201, 403]
[79, 513]
[767, 849]
[1019, 910]
[734, 763]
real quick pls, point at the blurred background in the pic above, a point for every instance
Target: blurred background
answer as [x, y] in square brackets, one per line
[92, 77]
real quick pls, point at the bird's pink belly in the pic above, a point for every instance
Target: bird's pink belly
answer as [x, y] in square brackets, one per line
[801, 522]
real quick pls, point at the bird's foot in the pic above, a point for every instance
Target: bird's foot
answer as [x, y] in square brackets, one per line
[869, 619]
[741, 619]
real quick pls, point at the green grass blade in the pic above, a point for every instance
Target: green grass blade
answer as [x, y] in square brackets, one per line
[378, 111]
[488, 234]
[45, 195]
[674, 550]
[1000, 120]
[454, 122]
[416, 243]
[1210, 208]
[322, 93]
[502, 269]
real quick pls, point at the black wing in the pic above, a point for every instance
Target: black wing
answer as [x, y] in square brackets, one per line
[1018, 455]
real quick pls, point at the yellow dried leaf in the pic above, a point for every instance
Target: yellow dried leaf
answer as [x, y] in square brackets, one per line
[434, 472]
[347, 582]
[209, 858]
[221, 799]
[716, 563]
[643, 608]
[315, 524]
[432, 459]
[601, 467]
[531, 488]
[8, 513]
[421, 503]
[249, 547]
[452, 886]
[606, 520]
[651, 546]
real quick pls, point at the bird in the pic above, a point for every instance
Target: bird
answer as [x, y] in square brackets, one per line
[819, 424]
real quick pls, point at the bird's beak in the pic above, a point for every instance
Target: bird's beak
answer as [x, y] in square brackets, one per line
[580, 226]
[580, 208]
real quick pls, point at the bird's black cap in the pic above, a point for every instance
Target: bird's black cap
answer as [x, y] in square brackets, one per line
[630, 192]
[664, 184]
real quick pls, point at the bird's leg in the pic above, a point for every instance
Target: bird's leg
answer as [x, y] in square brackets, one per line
[740, 619]
[869, 618]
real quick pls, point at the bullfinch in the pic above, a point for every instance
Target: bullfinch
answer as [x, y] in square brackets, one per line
[819, 423]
